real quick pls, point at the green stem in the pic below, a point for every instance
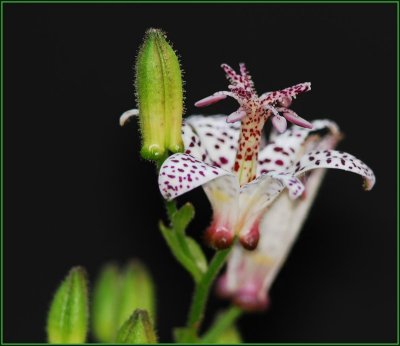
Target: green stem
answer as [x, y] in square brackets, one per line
[224, 321]
[202, 290]
[171, 209]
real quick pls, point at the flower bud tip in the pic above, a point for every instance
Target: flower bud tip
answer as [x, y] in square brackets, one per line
[138, 329]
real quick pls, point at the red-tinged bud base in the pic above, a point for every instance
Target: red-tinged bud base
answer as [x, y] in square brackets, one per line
[249, 299]
[219, 237]
[250, 240]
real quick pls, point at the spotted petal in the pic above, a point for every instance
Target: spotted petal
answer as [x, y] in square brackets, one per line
[284, 149]
[338, 160]
[217, 139]
[256, 196]
[181, 173]
[193, 145]
[267, 186]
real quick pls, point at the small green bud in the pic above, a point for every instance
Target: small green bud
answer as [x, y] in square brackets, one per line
[159, 96]
[106, 295]
[137, 292]
[138, 329]
[231, 335]
[68, 316]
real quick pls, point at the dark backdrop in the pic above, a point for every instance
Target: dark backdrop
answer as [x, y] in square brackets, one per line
[77, 192]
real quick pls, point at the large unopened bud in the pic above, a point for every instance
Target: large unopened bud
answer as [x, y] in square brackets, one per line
[159, 96]
[67, 320]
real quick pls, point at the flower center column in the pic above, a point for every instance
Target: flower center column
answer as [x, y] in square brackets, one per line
[249, 143]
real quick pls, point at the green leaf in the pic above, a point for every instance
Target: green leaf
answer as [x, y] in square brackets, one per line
[106, 296]
[182, 218]
[68, 316]
[138, 329]
[175, 245]
[197, 254]
[185, 249]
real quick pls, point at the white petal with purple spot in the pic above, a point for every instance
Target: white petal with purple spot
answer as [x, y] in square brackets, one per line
[193, 145]
[218, 138]
[338, 160]
[282, 151]
[181, 173]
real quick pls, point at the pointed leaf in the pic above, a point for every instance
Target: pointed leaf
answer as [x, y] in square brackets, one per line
[182, 217]
[198, 254]
[174, 241]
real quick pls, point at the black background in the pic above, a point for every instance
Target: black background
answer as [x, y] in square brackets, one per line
[77, 192]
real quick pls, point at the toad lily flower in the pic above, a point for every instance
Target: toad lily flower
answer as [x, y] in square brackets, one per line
[240, 176]
[250, 275]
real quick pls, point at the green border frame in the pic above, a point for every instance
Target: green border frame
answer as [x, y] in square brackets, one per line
[205, 2]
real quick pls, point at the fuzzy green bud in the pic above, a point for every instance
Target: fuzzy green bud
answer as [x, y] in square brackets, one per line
[138, 329]
[116, 294]
[159, 96]
[137, 292]
[106, 295]
[67, 320]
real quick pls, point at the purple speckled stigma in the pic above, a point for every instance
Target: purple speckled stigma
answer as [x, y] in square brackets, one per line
[253, 112]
